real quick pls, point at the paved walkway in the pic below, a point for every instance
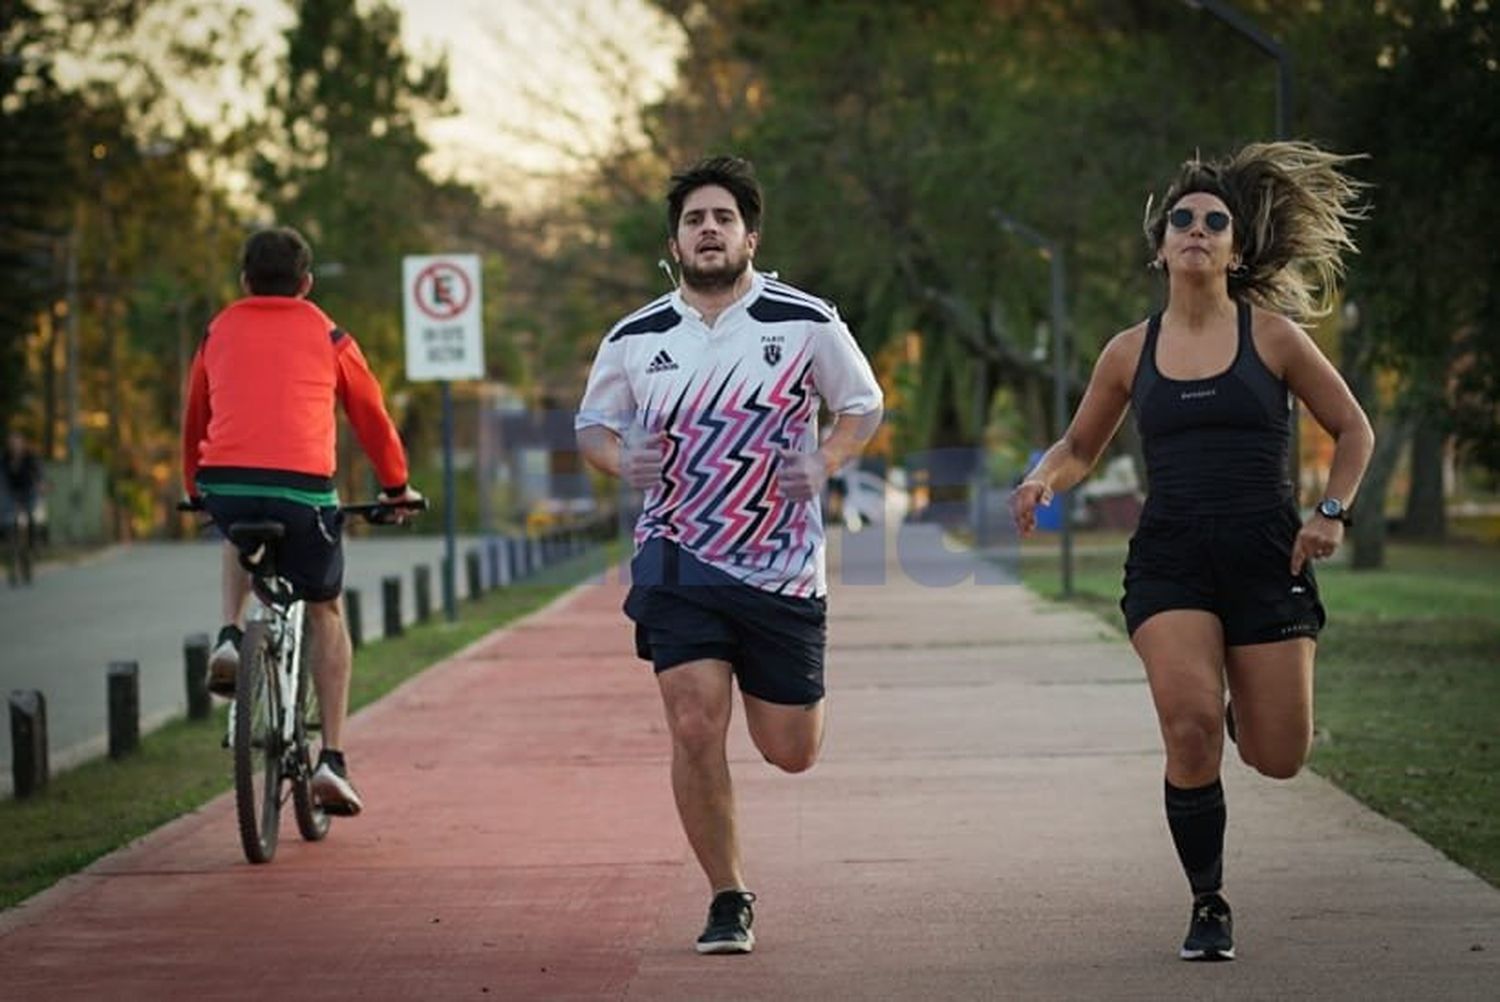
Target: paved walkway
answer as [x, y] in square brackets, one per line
[985, 824]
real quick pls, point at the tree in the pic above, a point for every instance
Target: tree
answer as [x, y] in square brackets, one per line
[34, 218]
[341, 161]
[1420, 103]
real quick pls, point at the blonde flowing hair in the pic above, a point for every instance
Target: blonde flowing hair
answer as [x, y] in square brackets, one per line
[1292, 206]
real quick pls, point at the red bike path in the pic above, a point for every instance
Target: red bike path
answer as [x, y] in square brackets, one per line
[985, 824]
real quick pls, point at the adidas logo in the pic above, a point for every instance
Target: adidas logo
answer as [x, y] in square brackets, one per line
[661, 363]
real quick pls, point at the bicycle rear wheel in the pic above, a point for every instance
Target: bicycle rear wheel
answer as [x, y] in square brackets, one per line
[257, 747]
[312, 820]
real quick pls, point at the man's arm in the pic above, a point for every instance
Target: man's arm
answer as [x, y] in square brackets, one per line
[359, 393]
[848, 437]
[601, 447]
[802, 475]
[637, 461]
[194, 423]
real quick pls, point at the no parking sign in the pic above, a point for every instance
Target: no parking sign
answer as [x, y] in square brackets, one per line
[444, 329]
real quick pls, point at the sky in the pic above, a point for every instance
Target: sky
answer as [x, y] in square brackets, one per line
[535, 79]
[537, 82]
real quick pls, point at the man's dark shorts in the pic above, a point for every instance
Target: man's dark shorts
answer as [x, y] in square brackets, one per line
[1238, 568]
[685, 610]
[310, 556]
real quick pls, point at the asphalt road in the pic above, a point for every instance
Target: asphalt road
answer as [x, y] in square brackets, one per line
[139, 603]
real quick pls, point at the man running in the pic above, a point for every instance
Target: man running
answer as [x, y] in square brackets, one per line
[707, 399]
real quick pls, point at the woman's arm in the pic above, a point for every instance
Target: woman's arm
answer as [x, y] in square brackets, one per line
[1099, 414]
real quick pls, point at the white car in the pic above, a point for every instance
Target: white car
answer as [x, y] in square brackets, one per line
[872, 499]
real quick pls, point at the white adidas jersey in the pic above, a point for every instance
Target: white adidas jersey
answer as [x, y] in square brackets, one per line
[728, 397]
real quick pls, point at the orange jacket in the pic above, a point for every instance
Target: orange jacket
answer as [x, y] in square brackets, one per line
[261, 399]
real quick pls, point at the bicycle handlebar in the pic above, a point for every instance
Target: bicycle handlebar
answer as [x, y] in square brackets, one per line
[374, 512]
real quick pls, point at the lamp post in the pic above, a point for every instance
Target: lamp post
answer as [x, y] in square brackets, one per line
[1053, 254]
[1231, 16]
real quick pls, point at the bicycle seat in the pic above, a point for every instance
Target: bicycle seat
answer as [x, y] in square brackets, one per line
[246, 535]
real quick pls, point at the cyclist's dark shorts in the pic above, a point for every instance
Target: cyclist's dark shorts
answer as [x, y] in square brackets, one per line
[685, 610]
[311, 555]
[1237, 568]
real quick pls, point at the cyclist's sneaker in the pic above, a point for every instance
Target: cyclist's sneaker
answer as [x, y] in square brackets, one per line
[224, 662]
[331, 788]
[728, 929]
[1211, 932]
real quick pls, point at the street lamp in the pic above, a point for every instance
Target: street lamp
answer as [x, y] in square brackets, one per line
[1053, 253]
[1231, 16]
[1242, 24]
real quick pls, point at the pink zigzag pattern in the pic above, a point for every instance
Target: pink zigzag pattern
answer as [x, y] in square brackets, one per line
[730, 445]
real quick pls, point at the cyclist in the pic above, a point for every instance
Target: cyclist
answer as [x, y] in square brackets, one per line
[23, 486]
[258, 442]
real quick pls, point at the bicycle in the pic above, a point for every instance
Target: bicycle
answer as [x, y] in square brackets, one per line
[275, 710]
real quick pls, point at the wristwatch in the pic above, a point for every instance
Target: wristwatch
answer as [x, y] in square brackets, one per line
[1334, 508]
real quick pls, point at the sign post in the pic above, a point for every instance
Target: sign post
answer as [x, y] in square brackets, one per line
[444, 341]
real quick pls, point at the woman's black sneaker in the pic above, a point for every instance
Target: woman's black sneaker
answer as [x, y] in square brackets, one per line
[728, 929]
[1211, 932]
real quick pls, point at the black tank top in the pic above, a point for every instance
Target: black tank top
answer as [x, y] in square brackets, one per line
[1215, 446]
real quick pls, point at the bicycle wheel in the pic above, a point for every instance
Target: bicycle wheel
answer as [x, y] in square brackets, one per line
[312, 820]
[257, 747]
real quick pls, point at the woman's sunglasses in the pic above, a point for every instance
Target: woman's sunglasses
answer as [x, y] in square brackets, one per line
[1182, 219]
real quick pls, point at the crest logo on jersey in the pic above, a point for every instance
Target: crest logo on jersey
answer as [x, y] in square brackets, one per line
[771, 352]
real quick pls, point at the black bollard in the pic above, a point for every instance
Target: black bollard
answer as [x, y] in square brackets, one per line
[124, 708]
[195, 667]
[471, 572]
[450, 600]
[422, 591]
[390, 589]
[28, 742]
[355, 616]
[512, 561]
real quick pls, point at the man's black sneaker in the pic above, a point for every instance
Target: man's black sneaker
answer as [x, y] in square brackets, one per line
[224, 662]
[331, 788]
[728, 929]
[1211, 932]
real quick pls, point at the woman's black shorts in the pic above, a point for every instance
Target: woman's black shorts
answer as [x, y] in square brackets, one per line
[1238, 568]
[310, 555]
[685, 610]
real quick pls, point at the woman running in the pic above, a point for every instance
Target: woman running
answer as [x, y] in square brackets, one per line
[1218, 582]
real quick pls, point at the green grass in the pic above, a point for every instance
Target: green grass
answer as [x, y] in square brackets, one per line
[1408, 683]
[98, 807]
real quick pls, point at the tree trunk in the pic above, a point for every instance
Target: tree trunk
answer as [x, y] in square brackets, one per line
[1368, 534]
[1366, 537]
[49, 386]
[1425, 516]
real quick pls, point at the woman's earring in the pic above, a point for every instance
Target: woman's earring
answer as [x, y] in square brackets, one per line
[1155, 264]
[1238, 270]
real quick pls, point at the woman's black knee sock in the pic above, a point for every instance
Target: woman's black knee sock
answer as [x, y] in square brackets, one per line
[1196, 818]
